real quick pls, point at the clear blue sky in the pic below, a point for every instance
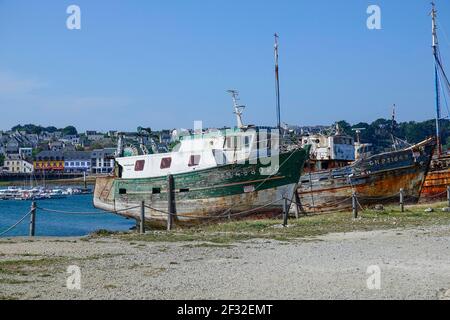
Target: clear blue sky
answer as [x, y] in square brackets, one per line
[164, 64]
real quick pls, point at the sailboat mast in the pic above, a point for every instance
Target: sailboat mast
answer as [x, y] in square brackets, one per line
[277, 83]
[435, 44]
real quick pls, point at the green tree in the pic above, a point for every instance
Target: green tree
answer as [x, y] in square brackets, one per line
[69, 131]
[2, 160]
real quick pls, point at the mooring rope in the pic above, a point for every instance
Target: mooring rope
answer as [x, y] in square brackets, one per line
[222, 215]
[86, 212]
[15, 225]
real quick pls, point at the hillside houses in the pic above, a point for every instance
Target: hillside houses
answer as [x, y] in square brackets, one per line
[50, 150]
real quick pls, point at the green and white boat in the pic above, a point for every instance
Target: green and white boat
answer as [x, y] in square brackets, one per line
[232, 172]
[209, 182]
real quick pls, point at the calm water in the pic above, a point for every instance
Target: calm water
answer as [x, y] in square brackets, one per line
[57, 224]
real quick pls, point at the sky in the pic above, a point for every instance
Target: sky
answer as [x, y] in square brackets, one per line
[168, 63]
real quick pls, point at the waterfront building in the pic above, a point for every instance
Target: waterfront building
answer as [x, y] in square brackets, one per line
[77, 161]
[14, 163]
[102, 160]
[49, 161]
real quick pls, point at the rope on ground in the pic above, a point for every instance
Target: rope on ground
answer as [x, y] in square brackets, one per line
[15, 225]
[217, 216]
[85, 212]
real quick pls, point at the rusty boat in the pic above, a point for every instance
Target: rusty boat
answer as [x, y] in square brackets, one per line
[239, 172]
[438, 178]
[336, 170]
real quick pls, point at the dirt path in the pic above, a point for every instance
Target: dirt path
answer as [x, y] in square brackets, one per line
[414, 264]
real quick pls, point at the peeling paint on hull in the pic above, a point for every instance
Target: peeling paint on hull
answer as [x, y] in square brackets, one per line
[437, 180]
[376, 180]
[204, 194]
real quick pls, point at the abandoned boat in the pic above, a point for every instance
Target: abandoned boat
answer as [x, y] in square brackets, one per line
[215, 175]
[334, 172]
[438, 177]
[223, 173]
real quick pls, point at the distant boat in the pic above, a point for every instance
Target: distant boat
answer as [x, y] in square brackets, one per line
[331, 176]
[438, 178]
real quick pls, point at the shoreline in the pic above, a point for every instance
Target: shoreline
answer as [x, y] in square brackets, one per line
[317, 257]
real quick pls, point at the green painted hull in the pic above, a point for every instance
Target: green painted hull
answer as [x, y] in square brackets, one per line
[209, 193]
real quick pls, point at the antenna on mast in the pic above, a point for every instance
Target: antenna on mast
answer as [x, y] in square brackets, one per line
[277, 82]
[238, 109]
[358, 134]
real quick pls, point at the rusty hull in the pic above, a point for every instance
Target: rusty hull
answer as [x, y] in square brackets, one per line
[376, 180]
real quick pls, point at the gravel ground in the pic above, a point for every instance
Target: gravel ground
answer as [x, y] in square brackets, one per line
[414, 263]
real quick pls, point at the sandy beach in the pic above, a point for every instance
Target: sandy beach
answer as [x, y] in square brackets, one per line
[414, 264]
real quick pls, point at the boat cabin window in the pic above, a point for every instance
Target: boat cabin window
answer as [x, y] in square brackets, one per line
[194, 160]
[139, 165]
[156, 190]
[166, 163]
[122, 191]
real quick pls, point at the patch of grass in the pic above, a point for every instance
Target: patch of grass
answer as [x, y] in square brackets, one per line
[151, 272]
[208, 245]
[10, 297]
[305, 227]
[11, 281]
[26, 267]
[110, 286]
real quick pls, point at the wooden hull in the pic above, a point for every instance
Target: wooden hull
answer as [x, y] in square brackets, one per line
[376, 180]
[437, 180]
[206, 195]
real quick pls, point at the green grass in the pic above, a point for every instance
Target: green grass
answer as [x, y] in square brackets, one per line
[305, 227]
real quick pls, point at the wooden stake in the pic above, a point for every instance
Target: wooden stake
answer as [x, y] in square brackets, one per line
[354, 206]
[142, 222]
[171, 201]
[33, 219]
[402, 206]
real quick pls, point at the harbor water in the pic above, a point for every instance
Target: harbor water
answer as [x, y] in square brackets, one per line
[59, 224]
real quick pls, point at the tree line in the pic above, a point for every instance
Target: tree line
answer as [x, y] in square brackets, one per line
[379, 133]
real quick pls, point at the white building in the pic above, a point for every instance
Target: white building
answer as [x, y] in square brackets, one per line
[15, 164]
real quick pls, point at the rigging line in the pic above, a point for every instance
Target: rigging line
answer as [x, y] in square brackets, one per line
[441, 71]
[441, 27]
[445, 99]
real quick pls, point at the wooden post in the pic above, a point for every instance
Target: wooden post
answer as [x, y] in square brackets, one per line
[297, 204]
[354, 206]
[142, 222]
[285, 212]
[402, 205]
[33, 219]
[171, 201]
[84, 179]
[448, 195]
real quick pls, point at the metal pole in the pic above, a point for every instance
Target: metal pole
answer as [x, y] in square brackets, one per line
[171, 201]
[354, 206]
[84, 179]
[285, 212]
[402, 206]
[33, 219]
[277, 83]
[142, 222]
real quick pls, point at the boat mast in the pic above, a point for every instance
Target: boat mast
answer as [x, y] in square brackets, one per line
[277, 82]
[238, 109]
[435, 44]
